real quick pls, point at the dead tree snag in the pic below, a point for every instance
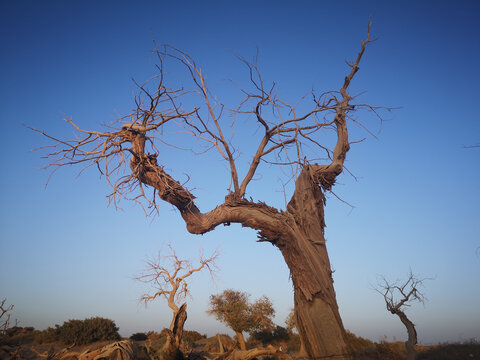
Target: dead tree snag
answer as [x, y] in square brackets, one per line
[290, 135]
[168, 276]
[397, 296]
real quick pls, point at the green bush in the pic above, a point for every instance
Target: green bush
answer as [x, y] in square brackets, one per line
[139, 337]
[81, 332]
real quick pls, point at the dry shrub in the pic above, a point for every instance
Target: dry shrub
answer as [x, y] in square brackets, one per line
[466, 351]
[210, 345]
[358, 343]
[365, 349]
[391, 351]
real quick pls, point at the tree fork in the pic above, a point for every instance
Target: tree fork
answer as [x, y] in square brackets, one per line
[297, 231]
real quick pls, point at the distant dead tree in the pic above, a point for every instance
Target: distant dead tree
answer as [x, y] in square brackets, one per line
[398, 295]
[235, 310]
[5, 312]
[168, 276]
[309, 138]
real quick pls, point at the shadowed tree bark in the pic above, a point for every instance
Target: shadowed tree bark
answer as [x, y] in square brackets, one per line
[289, 136]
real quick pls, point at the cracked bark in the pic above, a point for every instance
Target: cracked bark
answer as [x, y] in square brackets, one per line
[304, 250]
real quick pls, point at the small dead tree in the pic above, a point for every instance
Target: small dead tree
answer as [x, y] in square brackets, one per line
[5, 312]
[292, 135]
[234, 309]
[398, 295]
[168, 276]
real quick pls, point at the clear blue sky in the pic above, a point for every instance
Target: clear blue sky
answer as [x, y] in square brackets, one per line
[65, 254]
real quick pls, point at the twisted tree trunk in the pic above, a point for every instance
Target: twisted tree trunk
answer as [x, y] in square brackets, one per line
[303, 247]
[171, 349]
[412, 334]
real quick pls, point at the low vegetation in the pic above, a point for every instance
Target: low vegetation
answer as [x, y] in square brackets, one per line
[234, 309]
[468, 350]
[80, 332]
[98, 332]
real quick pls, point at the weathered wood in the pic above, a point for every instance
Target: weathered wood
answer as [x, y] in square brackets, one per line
[253, 353]
[304, 249]
[120, 350]
[171, 349]
[221, 349]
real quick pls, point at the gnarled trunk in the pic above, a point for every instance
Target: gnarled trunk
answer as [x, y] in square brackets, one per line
[412, 334]
[171, 349]
[304, 250]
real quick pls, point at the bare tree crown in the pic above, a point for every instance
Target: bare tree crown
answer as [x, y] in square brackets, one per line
[288, 134]
[168, 275]
[310, 136]
[400, 294]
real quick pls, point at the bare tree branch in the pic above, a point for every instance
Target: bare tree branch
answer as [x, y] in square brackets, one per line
[286, 132]
[168, 274]
[5, 312]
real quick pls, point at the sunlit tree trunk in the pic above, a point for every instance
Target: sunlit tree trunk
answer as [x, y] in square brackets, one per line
[241, 340]
[303, 247]
[171, 349]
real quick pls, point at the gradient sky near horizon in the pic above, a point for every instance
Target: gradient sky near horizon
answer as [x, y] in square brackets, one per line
[64, 254]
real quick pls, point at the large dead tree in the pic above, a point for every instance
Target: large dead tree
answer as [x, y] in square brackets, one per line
[129, 155]
[399, 295]
[168, 275]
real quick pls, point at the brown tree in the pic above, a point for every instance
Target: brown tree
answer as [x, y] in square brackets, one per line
[399, 295]
[234, 309]
[168, 276]
[130, 157]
